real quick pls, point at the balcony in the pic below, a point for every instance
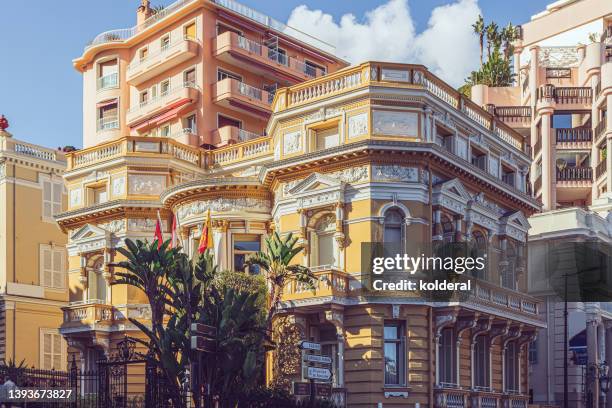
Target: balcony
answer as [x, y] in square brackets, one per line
[329, 282]
[455, 398]
[185, 94]
[90, 314]
[236, 153]
[574, 177]
[234, 94]
[571, 97]
[108, 81]
[601, 169]
[235, 49]
[574, 138]
[168, 56]
[232, 134]
[516, 116]
[505, 300]
[600, 129]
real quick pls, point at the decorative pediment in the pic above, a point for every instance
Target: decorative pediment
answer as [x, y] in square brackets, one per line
[315, 181]
[89, 231]
[453, 187]
[517, 219]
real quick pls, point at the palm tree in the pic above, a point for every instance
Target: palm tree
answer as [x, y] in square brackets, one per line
[508, 35]
[492, 31]
[479, 29]
[275, 263]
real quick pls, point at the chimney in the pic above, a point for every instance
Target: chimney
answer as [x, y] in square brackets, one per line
[143, 12]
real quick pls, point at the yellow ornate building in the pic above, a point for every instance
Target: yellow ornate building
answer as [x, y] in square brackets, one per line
[33, 264]
[375, 152]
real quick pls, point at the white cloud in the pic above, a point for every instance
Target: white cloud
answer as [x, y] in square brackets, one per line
[447, 46]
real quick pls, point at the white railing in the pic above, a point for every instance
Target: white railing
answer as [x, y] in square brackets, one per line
[268, 21]
[108, 123]
[250, 91]
[108, 81]
[164, 49]
[126, 33]
[185, 154]
[488, 402]
[34, 151]
[505, 136]
[96, 155]
[163, 95]
[331, 86]
[244, 135]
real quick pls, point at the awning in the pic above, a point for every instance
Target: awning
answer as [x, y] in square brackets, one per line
[106, 103]
[170, 113]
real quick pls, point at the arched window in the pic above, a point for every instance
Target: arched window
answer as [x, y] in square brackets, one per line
[323, 242]
[96, 284]
[481, 362]
[395, 223]
[479, 249]
[508, 272]
[511, 367]
[446, 355]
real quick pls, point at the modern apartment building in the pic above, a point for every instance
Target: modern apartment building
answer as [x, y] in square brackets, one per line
[375, 152]
[561, 101]
[197, 74]
[33, 264]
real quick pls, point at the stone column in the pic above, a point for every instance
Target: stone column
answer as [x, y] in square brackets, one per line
[458, 228]
[534, 51]
[437, 225]
[608, 354]
[548, 162]
[517, 65]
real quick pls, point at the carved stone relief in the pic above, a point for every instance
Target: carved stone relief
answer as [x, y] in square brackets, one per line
[292, 142]
[358, 124]
[146, 184]
[395, 123]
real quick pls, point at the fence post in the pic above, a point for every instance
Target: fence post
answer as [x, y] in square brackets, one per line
[74, 380]
[151, 383]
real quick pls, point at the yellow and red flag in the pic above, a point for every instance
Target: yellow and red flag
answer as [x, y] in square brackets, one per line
[206, 236]
[158, 232]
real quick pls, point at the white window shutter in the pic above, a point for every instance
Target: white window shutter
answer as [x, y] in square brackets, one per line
[46, 265]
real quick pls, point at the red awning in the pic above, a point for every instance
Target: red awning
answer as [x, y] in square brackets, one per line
[106, 103]
[172, 112]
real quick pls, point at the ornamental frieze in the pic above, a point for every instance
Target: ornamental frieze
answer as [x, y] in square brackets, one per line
[291, 142]
[223, 204]
[350, 175]
[113, 226]
[145, 224]
[319, 199]
[395, 173]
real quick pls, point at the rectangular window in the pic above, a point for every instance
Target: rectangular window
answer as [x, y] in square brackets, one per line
[533, 352]
[394, 354]
[327, 138]
[144, 97]
[52, 350]
[222, 28]
[446, 354]
[52, 198]
[164, 87]
[222, 74]
[190, 123]
[189, 77]
[165, 42]
[52, 266]
[245, 246]
[99, 195]
[190, 31]
[313, 70]
[511, 373]
[481, 362]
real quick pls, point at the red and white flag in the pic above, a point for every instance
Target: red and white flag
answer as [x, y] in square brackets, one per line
[158, 232]
[175, 238]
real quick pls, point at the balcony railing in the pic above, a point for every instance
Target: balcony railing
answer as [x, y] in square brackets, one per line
[411, 76]
[505, 299]
[451, 398]
[227, 134]
[513, 113]
[575, 174]
[266, 53]
[572, 135]
[329, 282]
[88, 313]
[243, 151]
[108, 81]
[229, 86]
[601, 169]
[565, 95]
[107, 123]
[601, 128]
[163, 95]
[30, 150]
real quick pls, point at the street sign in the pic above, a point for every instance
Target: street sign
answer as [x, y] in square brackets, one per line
[315, 358]
[308, 345]
[323, 390]
[205, 330]
[316, 373]
[301, 388]
[202, 344]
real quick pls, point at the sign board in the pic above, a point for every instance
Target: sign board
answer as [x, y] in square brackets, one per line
[308, 345]
[205, 330]
[316, 373]
[202, 344]
[315, 358]
[323, 390]
[301, 388]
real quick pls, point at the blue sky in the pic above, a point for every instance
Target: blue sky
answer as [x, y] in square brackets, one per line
[41, 94]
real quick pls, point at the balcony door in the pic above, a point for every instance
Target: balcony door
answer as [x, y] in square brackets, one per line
[225, 121]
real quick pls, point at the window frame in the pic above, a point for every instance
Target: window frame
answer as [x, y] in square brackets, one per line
[195, 76]
[453, 358]
[61, 275]
[244, 252]
[400, 344]
[53, 183]
[195, 27]
[515, 367]
[483, 340]
[62, 352]
[228, 74]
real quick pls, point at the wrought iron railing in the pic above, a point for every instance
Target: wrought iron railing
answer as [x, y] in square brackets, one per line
[601, 169]
[575, 174]
[568, 135]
